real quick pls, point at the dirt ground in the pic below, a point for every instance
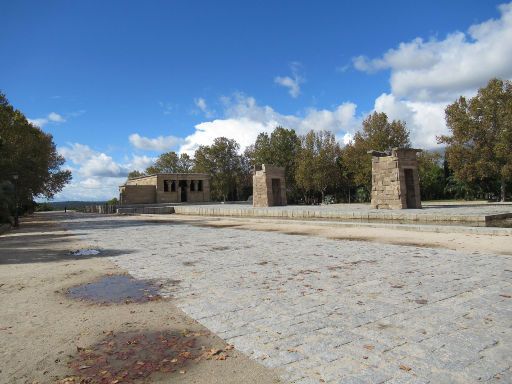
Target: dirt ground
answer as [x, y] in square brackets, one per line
[46, 337]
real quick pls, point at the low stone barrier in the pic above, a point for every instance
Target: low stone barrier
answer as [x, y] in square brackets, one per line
[146, 210]
[306, 212]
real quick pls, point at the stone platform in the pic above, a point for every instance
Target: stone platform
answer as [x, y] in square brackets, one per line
[475, 213]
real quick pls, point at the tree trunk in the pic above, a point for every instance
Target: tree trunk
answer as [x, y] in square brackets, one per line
[503, 190]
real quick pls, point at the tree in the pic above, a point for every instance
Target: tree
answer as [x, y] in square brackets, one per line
[432, 175]
[135, 174]
[317, 164]
[280, 149]
[222, 161]
[479, 148]
[171, 162]
[377, 134]
[31, 154]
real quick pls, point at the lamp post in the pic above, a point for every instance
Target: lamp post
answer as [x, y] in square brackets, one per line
[16, 217]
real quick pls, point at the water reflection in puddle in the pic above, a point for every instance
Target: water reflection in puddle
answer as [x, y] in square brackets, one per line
[116, 289]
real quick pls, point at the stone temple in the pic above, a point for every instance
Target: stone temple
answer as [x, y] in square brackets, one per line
[166, 188]
[268, 186]
[395, 179]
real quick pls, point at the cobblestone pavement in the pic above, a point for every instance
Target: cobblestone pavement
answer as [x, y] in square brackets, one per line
[327, 310]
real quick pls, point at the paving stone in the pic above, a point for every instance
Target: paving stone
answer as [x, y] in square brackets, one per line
[441, 313]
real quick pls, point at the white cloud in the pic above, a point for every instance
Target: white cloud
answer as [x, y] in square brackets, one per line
[441, 70]
[203, 106]
[56, 118]
[96, 175]
[245, 119]
[52, 117]
[291, 82]
[91, 189]
[76, 153]
[427, 75]
[140, 163]
[90, 163]
[160, 143]
[424, 119]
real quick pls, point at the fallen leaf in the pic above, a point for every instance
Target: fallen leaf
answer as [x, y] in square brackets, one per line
[369, 347]
[405, 368]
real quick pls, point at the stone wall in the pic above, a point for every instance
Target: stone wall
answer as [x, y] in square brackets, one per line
[395, 179]
[137, 194]
[269, 186]
[168, 188]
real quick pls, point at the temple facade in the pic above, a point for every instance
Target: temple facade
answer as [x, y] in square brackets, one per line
[166, 188]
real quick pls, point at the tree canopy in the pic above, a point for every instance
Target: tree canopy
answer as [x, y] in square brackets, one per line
[281, 148]
[222, 161]
[171, 162]
[29, 153]
[479, 148]
[318, 164]
[377, 134]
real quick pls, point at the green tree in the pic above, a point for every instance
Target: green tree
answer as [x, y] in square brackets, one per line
[479, 148]
[432, 177]
[377, 134]
[135, 174]
[171, 162]
[281, 149]
[318, 166]
[222, 161]
[31, 154]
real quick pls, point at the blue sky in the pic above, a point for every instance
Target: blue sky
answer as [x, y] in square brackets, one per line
[119, 82]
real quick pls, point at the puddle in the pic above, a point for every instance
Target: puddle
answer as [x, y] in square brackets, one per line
[85, 252]
[116, 289]
[129, 357]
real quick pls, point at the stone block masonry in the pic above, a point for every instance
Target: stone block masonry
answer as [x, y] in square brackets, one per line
[395, 179]
[269, 186]
[166, 188]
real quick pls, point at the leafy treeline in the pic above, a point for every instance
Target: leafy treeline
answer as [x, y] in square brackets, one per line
[478, 161]
[30, 166]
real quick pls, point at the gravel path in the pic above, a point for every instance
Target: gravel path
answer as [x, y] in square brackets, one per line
[329, 310]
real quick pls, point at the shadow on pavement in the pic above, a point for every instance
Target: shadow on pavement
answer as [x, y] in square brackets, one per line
[40, 239]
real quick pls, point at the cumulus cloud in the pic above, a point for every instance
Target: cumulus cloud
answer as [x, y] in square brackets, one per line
[245, 119]
[90, 163]
[160, 143]
[52, 117]
[424, 119]
[426, 75]
[96, 175]
[292, 82]
[91, 189]
[440, 70]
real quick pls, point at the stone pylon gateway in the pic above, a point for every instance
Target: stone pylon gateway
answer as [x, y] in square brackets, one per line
[268, 186]
[395, 179]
